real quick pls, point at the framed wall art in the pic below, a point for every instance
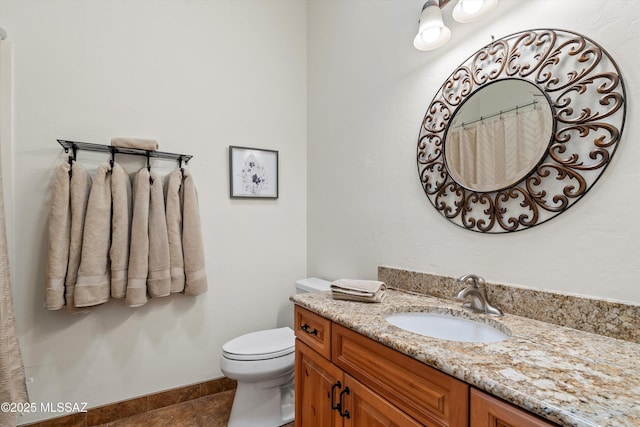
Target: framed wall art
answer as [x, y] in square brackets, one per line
[253, 173]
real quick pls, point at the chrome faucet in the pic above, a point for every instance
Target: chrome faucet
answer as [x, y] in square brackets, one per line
[476, 291]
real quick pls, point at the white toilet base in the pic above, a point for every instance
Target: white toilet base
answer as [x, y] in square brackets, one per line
[259, 404]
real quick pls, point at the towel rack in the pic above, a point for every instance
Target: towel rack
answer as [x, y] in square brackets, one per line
[74, 146]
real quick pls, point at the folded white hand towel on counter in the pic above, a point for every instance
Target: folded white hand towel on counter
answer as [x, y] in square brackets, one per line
[139, 143]
[358, 290]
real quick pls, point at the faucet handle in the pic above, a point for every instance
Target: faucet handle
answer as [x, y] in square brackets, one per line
[477, 294]
[476, 280]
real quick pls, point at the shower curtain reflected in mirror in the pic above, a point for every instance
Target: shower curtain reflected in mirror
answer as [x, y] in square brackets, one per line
[495, 153]
[12, 381]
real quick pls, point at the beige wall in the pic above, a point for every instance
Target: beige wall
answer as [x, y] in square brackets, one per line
[368, 92]
[198, 76]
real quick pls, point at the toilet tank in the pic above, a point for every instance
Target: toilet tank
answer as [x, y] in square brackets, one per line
[312, 284]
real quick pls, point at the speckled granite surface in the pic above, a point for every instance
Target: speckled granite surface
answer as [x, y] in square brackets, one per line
[570, 377]
[610, 318]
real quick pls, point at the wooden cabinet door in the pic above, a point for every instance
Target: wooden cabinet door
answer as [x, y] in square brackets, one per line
[487, 411]
[316, 382]
[426, 394]
[368, 409]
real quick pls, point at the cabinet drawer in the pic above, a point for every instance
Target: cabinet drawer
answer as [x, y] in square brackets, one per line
[488, 411]
[313, 330]
[428, 395]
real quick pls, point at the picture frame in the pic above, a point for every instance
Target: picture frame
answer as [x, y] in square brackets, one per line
[253, 173]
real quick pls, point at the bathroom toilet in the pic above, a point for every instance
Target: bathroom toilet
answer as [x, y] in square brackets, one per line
[262, 363]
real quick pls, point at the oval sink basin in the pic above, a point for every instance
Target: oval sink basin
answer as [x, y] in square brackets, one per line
[445, 327]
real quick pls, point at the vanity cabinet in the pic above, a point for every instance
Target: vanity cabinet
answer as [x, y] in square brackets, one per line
[358, 382]
[344, 379]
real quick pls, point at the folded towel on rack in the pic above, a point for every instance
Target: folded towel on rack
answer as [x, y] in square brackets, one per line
[158, 279]
[139, 249]
[59, 238]
[192, 247]
[359, 290]
[120, 230]
[173, 208]
[79, 189]
[139, 143]
[93, 286]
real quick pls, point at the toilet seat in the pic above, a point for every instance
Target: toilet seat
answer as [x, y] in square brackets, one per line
[261, 345]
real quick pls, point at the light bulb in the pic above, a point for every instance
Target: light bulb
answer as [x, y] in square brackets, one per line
[471, 10]
[430, 35]
[471, 6]
[432, 32]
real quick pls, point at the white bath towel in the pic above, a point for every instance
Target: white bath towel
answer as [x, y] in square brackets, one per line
[59, 238]
[139, 249]
[79, 190]
[120, 230]
[93, 286]
[358, 290]
[173, 208]
[139, 143]
[158, 279]
[192, 247]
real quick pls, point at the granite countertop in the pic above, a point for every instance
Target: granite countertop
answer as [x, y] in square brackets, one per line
[569, 377]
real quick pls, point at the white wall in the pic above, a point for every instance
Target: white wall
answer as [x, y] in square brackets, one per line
[341, 75]
[368, 93]
[198, 76]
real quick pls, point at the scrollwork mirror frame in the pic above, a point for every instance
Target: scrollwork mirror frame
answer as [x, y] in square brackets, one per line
[586, 93]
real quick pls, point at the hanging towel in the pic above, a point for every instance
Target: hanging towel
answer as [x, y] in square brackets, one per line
[80, 188]
[159, 279]
[195, 273]
[93, 285]
[139, 249]
[59, 237]
[173, 209]
[359, 290]
[120, 230]
[142, 144]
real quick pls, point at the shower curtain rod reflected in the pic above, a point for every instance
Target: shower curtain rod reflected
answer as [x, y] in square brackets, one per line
[508, 110]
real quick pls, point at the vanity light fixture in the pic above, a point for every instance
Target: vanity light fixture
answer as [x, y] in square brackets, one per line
[432, 33]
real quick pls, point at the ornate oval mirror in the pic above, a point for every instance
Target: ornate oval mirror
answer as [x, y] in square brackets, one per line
[521, 130]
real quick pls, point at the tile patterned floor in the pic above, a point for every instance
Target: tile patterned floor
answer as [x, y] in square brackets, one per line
[208, 411]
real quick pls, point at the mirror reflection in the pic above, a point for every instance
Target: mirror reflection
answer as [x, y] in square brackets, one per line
[498, 136]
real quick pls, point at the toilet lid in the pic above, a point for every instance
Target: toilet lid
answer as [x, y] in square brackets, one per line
[261, 345]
